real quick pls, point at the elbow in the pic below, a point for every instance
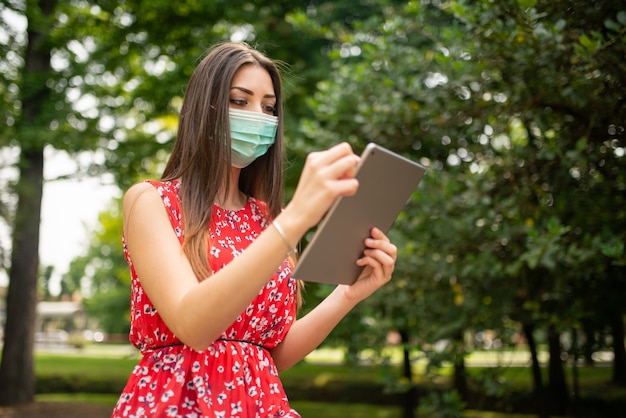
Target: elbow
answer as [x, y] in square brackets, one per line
[197, 345]
[190, 329]
[196, 341]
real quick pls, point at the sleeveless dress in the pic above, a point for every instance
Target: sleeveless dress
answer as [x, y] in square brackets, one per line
[236, 375]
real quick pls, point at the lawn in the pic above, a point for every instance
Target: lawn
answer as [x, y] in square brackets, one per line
[347, 391]
[307, 409]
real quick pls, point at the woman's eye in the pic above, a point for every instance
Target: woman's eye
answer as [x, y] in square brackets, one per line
[238, 102]
[271, 109]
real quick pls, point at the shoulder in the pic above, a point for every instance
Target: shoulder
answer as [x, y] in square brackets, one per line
[143, 197]
[139, 191]
[161, 188]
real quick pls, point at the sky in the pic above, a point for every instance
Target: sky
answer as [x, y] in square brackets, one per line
[69, 213]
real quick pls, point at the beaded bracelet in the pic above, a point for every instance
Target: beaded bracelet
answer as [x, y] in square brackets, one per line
[280, 230]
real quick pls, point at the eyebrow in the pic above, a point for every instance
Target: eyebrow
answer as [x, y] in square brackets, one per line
[251, 93]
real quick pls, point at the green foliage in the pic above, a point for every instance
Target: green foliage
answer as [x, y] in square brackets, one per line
[341, 387]
[517, 110]
[501, 103]
[515, 107]
[102, 275]
[444, 405]
[69, 374]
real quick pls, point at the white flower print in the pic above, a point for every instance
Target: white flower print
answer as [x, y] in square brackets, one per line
[188, 403]
[143, 382]
[236, 408]
[167, 395]
[149, 309]
[274, 388]
[140, 413]
[217, 380]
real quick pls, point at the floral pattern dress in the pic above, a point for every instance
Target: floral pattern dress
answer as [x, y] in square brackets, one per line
[235, 376]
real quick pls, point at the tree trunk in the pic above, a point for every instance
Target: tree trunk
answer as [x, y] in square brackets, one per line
[619, 351]
[17, 375]
[575, 353]
[409, 403]
[538, 389]
[559, 399]
[590, 340]
[460, 376]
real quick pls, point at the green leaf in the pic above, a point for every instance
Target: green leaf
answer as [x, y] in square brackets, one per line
[457, 8]
[527, 4]
[610, 24]
[589, 44]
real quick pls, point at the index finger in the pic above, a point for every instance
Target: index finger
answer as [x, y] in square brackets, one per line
[332, 154]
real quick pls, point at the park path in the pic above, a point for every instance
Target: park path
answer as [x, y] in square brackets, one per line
[56, 410]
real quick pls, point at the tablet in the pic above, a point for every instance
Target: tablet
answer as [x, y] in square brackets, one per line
[386, 182]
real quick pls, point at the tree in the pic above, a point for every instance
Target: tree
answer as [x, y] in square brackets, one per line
[523, 106]
[113, 79]
[94, 75]
[36, 99]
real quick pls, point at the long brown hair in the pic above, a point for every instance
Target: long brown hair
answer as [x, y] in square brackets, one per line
[201, 154]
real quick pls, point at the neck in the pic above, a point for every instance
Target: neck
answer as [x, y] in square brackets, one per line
[235, 199]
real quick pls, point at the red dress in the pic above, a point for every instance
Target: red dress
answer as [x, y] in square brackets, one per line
[236, 375]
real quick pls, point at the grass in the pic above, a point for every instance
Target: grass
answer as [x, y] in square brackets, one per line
[103, 371]
[96, 398]
[305, 408]
[58, 364]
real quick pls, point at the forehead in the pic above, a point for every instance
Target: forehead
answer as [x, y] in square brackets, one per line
[254, 78]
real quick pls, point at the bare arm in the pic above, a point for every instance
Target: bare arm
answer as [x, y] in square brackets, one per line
[309, 332]
[198, 312]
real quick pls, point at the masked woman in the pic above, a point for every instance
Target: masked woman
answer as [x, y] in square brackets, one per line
[209, 246]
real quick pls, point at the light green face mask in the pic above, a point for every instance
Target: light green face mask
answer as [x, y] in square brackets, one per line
[251, 135]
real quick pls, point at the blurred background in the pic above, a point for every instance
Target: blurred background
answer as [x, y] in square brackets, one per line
[510, 289]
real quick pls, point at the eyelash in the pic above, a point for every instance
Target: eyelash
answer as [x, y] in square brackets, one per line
[268, 108]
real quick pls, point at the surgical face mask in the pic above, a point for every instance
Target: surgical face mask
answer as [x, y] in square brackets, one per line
[251, 135]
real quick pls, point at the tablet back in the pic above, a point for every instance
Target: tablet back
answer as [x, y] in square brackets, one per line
[386, 182]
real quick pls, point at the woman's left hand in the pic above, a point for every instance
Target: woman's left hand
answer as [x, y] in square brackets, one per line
[379, 260]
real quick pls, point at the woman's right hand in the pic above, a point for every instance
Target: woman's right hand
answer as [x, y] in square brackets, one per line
[326, 175]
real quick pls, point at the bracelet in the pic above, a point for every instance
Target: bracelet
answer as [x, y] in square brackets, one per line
[292, 250]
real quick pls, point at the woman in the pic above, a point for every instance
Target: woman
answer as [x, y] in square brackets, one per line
[215, 331]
